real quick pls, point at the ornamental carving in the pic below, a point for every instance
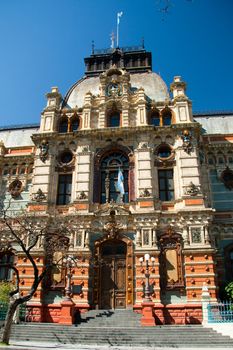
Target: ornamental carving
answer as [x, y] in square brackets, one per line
[192, 190]
[112, 228]
[145, 193]
[44, 150]
[82, 195]
[39, 196]
[15, 188]
[114, 89]
[187, 144]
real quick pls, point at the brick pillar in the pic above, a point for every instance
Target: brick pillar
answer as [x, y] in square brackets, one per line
[67, 312]
[148, 318]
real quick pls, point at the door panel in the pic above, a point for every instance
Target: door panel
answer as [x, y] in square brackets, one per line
[113, 286]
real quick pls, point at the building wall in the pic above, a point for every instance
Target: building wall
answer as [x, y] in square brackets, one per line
[189, 231]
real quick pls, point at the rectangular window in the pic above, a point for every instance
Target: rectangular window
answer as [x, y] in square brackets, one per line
[64, 189]
[166, 185]
[5, 271]
[196, 235]
[146, 237]
[79, 239]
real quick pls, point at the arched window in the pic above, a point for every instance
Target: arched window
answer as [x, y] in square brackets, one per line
[114, 169]
[114, 119]
[63, 125]
[166, 117]
[154, 118]
[75, 122]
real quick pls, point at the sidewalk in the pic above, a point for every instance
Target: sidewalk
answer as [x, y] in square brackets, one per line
[47, 346]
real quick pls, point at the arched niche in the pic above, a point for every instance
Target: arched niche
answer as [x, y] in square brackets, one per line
[108, 162]
[171, 261]
[113, 271]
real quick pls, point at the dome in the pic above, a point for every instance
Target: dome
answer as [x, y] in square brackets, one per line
[154, 86]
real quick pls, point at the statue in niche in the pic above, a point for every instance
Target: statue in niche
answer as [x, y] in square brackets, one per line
[44, 150]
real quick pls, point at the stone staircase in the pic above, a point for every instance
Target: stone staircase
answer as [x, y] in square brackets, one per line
[119, 327]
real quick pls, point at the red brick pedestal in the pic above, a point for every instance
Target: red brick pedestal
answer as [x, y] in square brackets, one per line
[148, 314]
[67, 312]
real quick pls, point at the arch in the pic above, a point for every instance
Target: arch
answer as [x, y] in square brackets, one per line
[154, 118]
[128, 171]
[63, 124]
[166, 116]
[211, 159]
[114, 258]
[113, 119]
[114, 168]
[171, 260]
[74, 123]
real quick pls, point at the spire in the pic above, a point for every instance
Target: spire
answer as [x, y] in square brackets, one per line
[112, 37]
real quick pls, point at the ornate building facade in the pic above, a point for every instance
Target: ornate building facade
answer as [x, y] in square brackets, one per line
[132, 171]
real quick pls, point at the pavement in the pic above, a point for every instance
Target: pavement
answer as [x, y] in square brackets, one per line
[46, 346]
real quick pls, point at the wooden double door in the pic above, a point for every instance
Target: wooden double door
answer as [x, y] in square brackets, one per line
[113, 278]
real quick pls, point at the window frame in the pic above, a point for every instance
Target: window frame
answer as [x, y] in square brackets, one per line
[63, 194]
[166, 185]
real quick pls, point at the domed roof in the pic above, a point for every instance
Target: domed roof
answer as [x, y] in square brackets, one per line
[154, 86]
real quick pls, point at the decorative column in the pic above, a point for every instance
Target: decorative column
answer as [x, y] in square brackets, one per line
[147, 304]
[67, 304]
[205, 301]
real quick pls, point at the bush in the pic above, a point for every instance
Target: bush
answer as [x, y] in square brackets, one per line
[229, 290]
[5, 289]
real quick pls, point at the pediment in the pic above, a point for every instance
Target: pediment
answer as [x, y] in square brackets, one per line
[112, 208]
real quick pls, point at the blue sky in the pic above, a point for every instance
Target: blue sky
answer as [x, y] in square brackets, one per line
[43, 43]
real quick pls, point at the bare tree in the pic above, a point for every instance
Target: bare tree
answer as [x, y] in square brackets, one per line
[22, 234]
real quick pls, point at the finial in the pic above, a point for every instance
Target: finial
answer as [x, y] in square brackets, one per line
[143, 43]
[92, 47]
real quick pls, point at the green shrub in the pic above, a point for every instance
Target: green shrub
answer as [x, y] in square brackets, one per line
[5, 289]
[229, 290]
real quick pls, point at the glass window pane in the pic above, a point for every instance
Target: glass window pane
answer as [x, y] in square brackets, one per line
[170, 184]
[162, 184]
[162, 195]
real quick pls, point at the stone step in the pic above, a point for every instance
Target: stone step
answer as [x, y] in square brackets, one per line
[120, 327]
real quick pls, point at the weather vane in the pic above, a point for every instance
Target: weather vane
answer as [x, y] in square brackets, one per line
[119, 14]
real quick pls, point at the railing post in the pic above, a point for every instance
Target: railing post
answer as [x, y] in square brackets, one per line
[205, 299]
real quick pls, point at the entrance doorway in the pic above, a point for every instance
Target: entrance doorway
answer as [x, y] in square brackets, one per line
[113, 274]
